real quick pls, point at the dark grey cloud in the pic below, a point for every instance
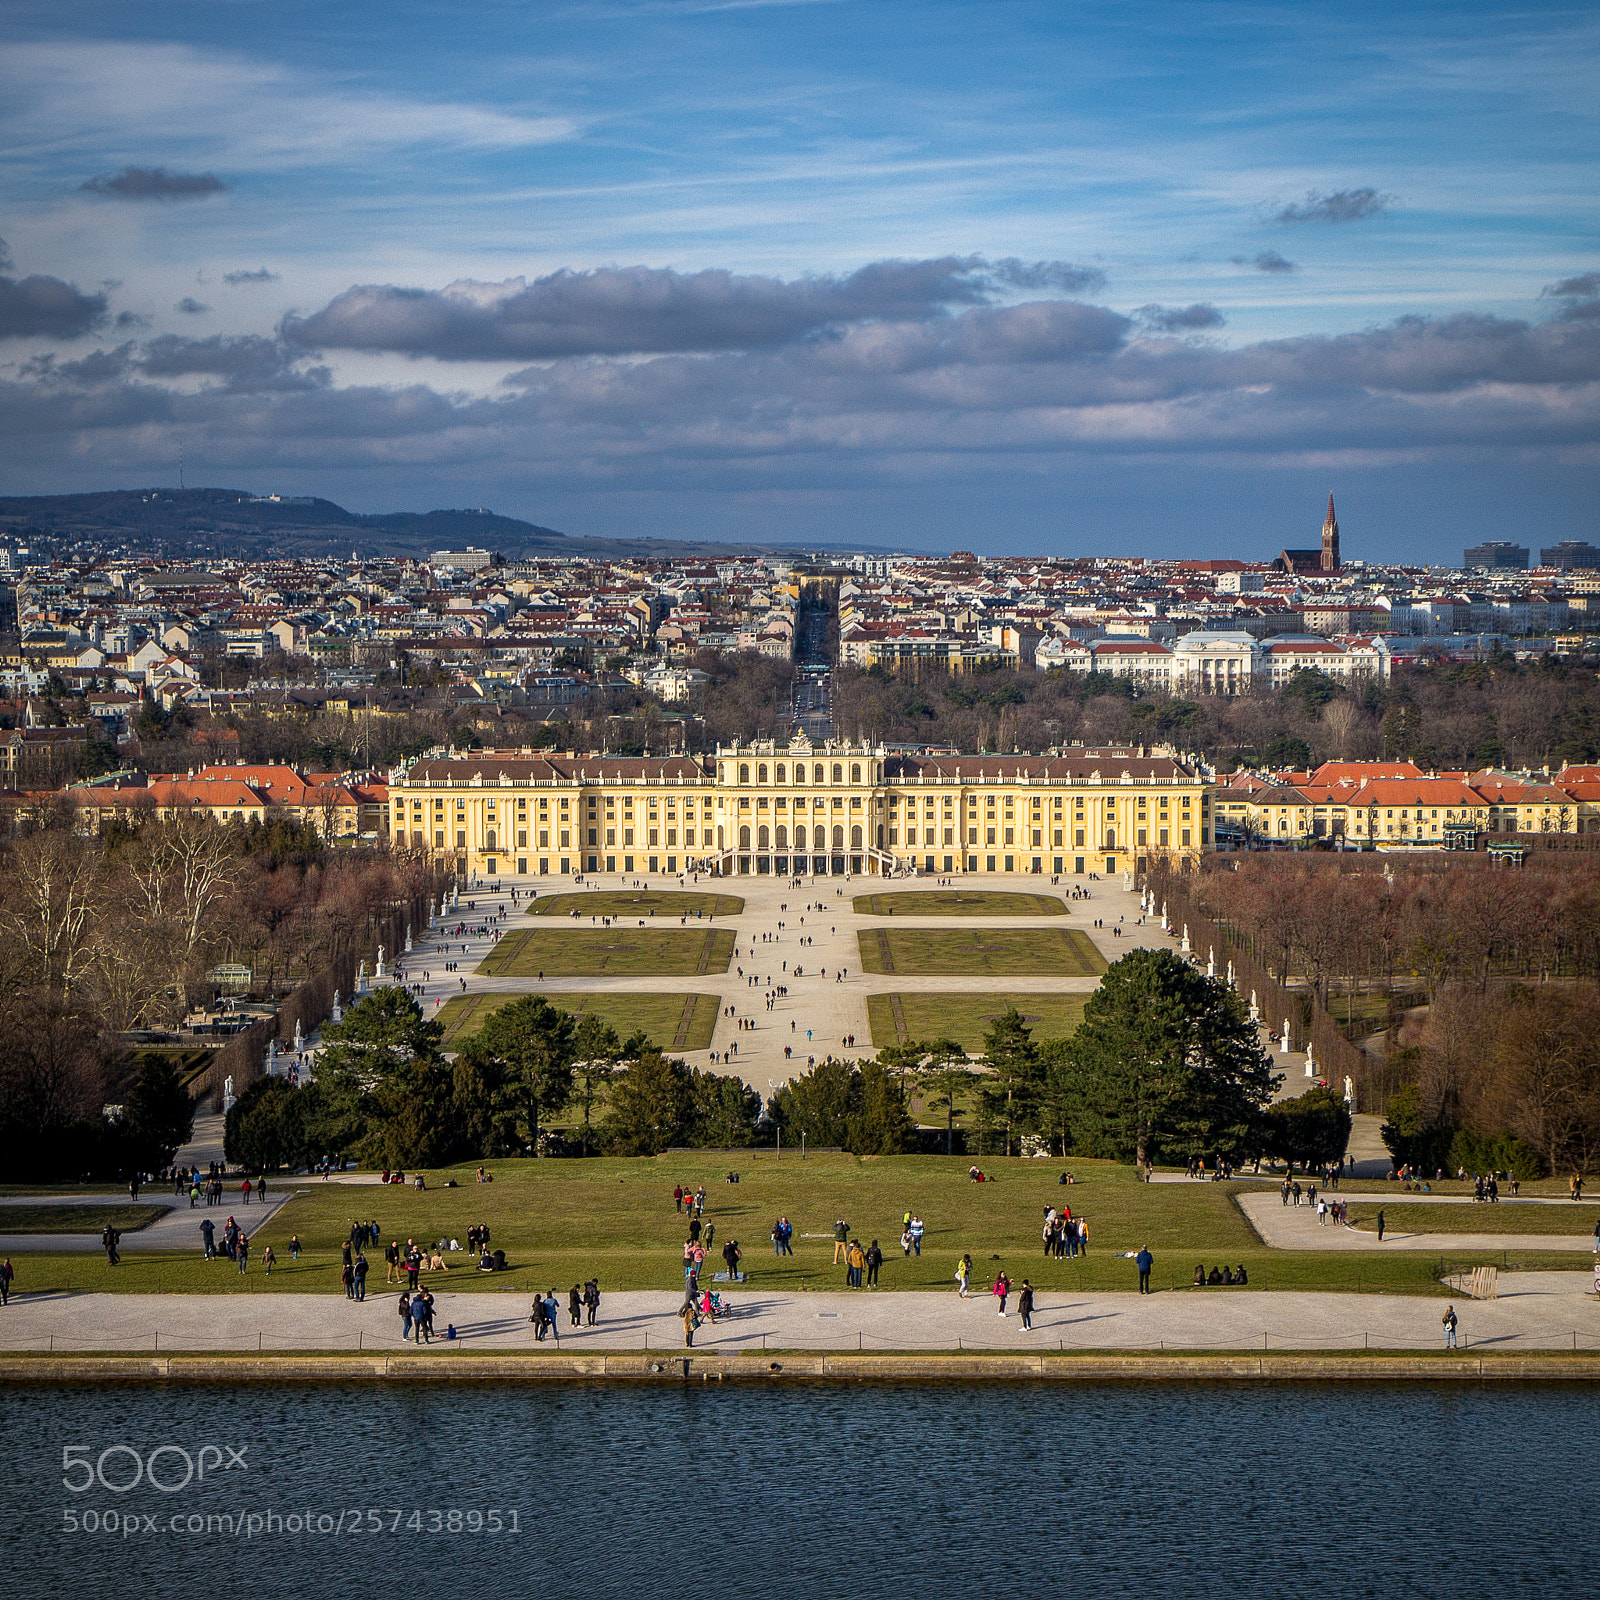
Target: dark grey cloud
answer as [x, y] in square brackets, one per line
[259, 275]
[245, 362]
[1266, 261]
[650, 310]
[1180, 319]
[6, 263]
[1584, 287]
[154, 183]
[191, 307]
[1344, 205]
[45, 307]
[131, 319]
[1582, 296]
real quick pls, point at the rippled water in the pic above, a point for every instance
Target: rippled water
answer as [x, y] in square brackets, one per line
[813, 1491]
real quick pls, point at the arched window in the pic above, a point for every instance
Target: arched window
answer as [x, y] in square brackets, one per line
[744, 837]
[1111, 838]
[744, 772]
[800, 837]
[719, 836]
[761, 836]
[880, 836]
[838, 836]
[488, 840]
[781, 770]
[761, 773]
[855, 837]
[855, 772]
[838, 772]
[783, 837]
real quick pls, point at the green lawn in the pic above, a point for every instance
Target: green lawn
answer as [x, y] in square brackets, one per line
[637, 903]
[609, 952]
[672, 1021]
[956, 903]
[895, 1018]
[1009, 952]
[77, 1219]
[560, 1221]
[1566, 1221]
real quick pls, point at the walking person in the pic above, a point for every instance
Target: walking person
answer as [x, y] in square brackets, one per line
[1380, 1227]
[575, 1305]
[268, 1260]
[1025, 1303]
[242, 1252]
[1449, 1321]
[7, 1274]
[1001, 1291]
[963, 1273]
[360, 1270]
[1144, 1261]
[109, 1239]
[405, 1316]
[691, 1318]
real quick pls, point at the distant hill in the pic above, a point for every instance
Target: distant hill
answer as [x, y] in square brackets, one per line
[236, 523]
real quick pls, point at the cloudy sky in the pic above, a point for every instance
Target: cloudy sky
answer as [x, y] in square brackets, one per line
[1024, 278]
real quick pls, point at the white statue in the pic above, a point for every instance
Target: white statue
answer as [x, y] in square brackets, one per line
[299, 1038]
[1349, 1092]
[272, 1058]
[1311, 1061]
[1211, 961]
[1230, 974]
[1284, 1047]
[379, 972]
[1185, 945]
[408, 939]
[361, 978]
[1255, 1010]
[227, 1094]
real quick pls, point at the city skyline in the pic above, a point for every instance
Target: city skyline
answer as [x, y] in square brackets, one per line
[1019, 280]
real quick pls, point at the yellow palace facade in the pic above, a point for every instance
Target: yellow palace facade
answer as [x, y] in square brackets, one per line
[803, 809]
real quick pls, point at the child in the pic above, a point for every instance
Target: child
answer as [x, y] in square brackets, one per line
[267, 1259]
[294, 1246]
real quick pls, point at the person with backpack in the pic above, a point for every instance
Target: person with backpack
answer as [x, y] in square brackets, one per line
[109, 1239]
[1449, 1321]
[591, 1299]
[732, 1255]
[874, 1261]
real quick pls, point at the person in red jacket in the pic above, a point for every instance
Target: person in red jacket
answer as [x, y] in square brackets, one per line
[1002, 1288]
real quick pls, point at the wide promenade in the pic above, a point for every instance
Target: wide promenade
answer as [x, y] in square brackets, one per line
[1536, 1311]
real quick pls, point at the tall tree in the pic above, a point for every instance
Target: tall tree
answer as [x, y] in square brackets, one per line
[157, 1113]
[383, 1035]
[946, 1081]
[652, 1107]
[819, 1104]
[596, 1052]
[525, 1053]
[1312, 1130]
[1166, 1060]
[881, 1125]
[1008, 1090]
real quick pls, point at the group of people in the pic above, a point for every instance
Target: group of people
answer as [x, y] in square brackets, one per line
[235, 1244]
[1224, 1276]
[1064, 1234]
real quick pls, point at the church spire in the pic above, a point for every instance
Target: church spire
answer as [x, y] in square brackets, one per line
[1330, 539]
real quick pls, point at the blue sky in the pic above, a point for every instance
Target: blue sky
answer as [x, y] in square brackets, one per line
[1029, 278]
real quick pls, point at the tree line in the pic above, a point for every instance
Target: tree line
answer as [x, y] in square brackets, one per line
[1166, 1066]
[1469, 715]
